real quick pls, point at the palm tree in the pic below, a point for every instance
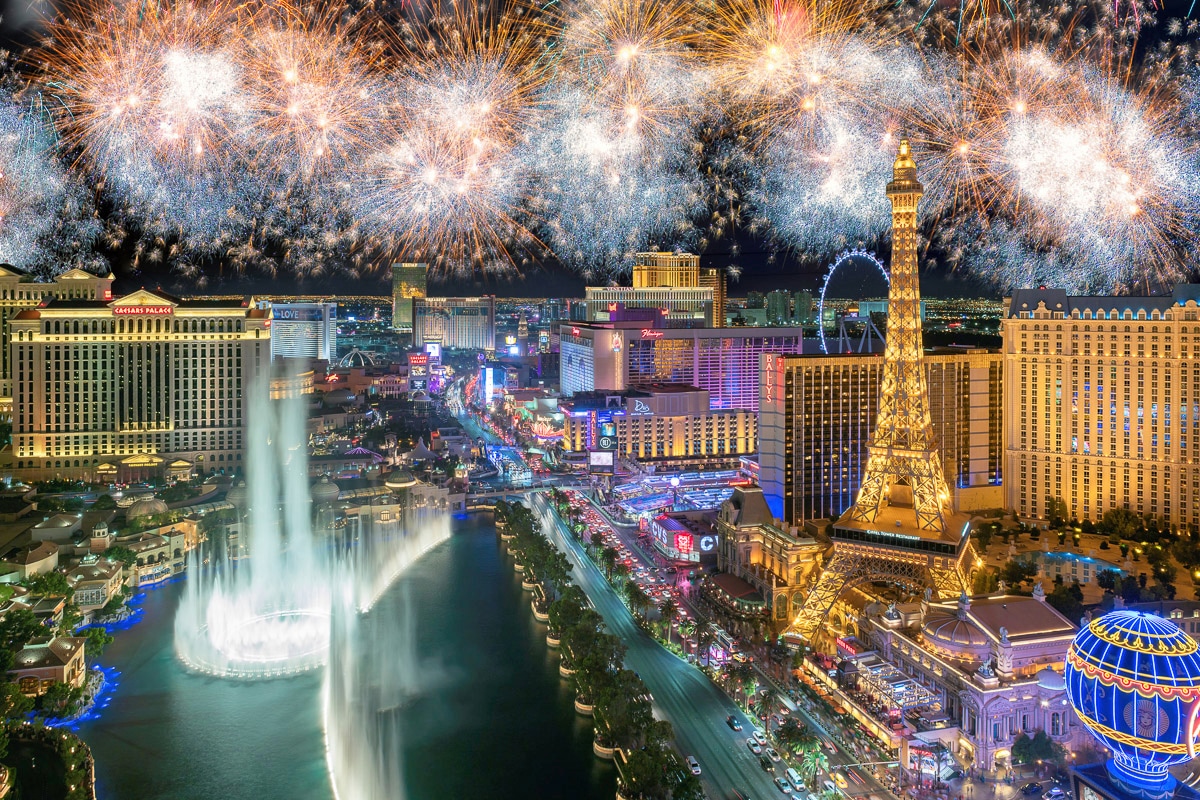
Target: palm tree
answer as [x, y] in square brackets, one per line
[668, 611]
[638, 599]
[597, 539]
[812, 761]
[609, 556]
[762, 706]
[621, 570]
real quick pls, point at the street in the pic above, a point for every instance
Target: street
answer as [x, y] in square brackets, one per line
[683, 696]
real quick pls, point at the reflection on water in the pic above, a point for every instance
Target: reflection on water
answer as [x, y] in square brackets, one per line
[486, 717]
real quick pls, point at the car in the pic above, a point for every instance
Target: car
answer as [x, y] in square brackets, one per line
[1031, 789]
[1054, 794]
[754, 746]
[732, 722]
[693, 765]
[783, 785]
[766, 764]
[839, 779]
[759, 736]
[772, 754]
[794, 778]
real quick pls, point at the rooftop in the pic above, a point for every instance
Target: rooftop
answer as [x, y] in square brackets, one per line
[48, 652]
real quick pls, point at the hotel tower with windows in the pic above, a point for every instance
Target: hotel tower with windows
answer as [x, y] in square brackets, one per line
[1102, 404]
[143, 386]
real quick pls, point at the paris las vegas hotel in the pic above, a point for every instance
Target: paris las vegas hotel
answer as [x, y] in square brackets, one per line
[127, 388]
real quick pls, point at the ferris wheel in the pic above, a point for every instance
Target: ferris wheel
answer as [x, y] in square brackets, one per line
[844, 258]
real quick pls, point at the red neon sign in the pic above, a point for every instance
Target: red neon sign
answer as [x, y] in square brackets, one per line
[651, 333]
[612, 306]
[574, 331]
[418, 359]
[143, 311]
[683, 542]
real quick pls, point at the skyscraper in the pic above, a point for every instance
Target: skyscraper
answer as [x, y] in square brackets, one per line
[779, 307]
[669, 282]
[18, 291]
[143, 386]
[457, 323]
[714, 278]
[1102, 405]
[817, 414]
[901, 528]
[304, 330]
[408, 283]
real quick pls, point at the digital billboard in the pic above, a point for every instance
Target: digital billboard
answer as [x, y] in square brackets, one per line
[602, 462]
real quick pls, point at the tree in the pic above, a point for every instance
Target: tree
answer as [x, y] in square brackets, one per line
[104, 502]
[13, 703]
[1014, 573]
[609, 557]
[1130, 591]
[59, 700]
[50, 583]
[1107, 579]
[597, 540]
[638, 599]
[1066, 602]
[812, 761]
[704, 642]
[1119, 523]
[19, 626]
[123, 554]
[98, 640]
[668, 611]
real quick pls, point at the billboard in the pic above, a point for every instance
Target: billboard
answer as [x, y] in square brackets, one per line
[602, 462]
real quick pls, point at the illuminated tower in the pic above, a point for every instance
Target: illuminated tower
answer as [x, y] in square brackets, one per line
[901, 529]
[408, 283]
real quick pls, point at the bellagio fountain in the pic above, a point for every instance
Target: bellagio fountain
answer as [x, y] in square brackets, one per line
[301, 573]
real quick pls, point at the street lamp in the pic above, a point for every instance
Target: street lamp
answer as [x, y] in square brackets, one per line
[674, 492]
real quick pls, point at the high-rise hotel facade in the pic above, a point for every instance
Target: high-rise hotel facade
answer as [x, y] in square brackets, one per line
[146, 385]
[817, 414]
[18, 291]
[1102, 404]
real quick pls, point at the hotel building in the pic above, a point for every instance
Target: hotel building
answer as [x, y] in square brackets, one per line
[456, 323]
[665, 423]
[304, 330]
[817, 414]
[1102, 404]
[409, 282]
[990, 670]
[714, 278]
[140, 386]
[667, 282]
[18, 292]
[617, 356]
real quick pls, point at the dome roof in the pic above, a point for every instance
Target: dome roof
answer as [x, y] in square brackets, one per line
[337, 397]
[236, 494]
[400, 479]
[147, 507]
[954, 633]
[1049, 679]
[1133, 679]
[359, 358]
[324, 491]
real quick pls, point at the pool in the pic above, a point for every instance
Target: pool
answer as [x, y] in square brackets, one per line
[1072, 565]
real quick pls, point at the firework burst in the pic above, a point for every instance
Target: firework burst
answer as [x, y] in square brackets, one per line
[446, 180]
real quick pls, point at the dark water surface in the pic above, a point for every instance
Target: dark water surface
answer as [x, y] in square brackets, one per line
[495, 721]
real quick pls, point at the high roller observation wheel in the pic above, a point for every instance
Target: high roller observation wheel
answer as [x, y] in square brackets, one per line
[842, 258]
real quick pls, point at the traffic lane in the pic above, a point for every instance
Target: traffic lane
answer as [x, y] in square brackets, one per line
[682, 695]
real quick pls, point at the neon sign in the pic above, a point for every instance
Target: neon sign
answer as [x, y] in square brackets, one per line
[683, 542]
[651, 333]
[418, 358]
[574, 331]
[143, 311]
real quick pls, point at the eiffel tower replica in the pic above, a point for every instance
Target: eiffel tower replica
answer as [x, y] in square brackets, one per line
[901, 529]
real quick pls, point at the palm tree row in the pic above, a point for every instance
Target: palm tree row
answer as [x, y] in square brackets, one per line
[531, 548]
